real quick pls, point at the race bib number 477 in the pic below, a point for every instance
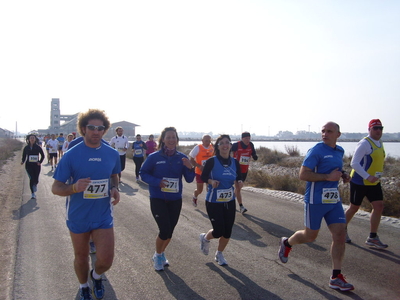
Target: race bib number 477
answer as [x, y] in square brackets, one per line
[97, 189]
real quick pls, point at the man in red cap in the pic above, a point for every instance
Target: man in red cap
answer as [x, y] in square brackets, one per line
[367, 164]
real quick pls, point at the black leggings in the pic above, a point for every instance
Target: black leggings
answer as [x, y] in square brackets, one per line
[138, 164]
[33, 171]
[166, 214]
[222, 217]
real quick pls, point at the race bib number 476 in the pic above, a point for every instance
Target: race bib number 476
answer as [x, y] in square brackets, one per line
[330, 196]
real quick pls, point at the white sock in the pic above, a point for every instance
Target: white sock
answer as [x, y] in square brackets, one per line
[95, 275]
[84, 285]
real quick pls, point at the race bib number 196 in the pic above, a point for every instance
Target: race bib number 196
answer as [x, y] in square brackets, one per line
[97, 189]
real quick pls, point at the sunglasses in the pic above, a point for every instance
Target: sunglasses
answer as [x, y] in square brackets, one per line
[94, 127]
[377, 128]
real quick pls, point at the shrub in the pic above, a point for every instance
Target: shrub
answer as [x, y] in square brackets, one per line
[292, 150]
[7, 148]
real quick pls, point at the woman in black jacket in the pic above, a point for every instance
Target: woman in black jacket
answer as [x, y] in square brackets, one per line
[30, 157]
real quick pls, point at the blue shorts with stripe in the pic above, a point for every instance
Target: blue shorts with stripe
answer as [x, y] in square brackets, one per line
[82, 227]
[314, 213]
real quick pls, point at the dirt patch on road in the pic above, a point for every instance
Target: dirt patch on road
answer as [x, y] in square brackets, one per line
[11, 186]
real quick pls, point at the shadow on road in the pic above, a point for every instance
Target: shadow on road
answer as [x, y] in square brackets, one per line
[246, 287]
[321, 291]
[381, 253]
[25, 209]
[178, 287]
[242, 232]
[109, 290]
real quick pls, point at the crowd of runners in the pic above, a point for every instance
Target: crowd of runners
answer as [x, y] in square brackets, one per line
[88, 172]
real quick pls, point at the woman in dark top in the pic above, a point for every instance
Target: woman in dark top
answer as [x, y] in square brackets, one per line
[30, 156]
[220, 172]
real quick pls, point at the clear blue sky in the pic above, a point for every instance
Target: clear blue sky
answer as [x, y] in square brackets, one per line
[210, 66]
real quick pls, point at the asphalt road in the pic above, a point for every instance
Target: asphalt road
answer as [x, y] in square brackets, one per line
[44, 261]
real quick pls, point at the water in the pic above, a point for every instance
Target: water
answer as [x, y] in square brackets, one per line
[391, 149]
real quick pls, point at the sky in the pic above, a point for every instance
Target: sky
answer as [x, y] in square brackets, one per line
[204, 66]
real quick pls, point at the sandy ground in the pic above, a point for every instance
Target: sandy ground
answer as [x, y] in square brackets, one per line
[12, 175]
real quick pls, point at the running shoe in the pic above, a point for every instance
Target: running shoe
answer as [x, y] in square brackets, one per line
[376, 242]
[34, 188]
[204, 244]
[348, 239]
[158, 262]
[33, 196]
[98, 287]
[164, 260]
[243, 209]
[92, 248]
[340, 283]
[220, 259]
[194, 201]
[283, 252]
[86, 294]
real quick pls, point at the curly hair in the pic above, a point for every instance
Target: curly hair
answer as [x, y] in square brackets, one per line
[92, 114]
[29, 136]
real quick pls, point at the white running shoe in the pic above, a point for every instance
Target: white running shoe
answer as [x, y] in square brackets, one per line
[204, 244]
[158, 262]
[243, 209]
[164, 260]
[220, 259]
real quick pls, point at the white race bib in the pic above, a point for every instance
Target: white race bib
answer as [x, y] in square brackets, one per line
[330, 196]
[172, 185]
[33, 158]
[244, 160]
[224, 195]
[138, 151]
[97, 189]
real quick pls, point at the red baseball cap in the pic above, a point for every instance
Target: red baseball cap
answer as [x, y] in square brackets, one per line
[374, 122]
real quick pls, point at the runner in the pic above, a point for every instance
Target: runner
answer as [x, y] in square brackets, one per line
[221, 172]
[198, 157]
[88, 176]
[138, 149]
[163, 171]
[367, 164]
[61, 140]
[30, 156]
[53, 149]
[322, 169]
[121, 144]
[151, 145]
[243, 151]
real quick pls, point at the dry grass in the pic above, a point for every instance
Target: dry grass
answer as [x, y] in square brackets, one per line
[279, 171]
[7, 149]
